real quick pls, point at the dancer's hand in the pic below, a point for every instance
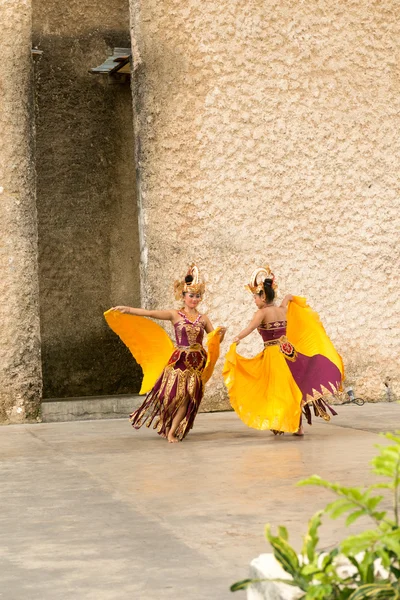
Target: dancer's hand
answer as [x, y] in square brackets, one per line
[122, 309]
[236, 340]
[222, 331]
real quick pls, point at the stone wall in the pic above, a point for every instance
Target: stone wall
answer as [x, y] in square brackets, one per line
[20, 372]
[268, 132]
[88, 232]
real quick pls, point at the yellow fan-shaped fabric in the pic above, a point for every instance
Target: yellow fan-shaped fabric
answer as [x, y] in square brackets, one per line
[307, 334]
[148, 342]
[213, 343]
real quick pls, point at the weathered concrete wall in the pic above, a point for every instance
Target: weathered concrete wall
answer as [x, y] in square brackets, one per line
[268, 132]
[88, 232]
[20, 372]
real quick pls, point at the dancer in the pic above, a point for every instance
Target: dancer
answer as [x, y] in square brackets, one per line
[176, 393]
[298, 368]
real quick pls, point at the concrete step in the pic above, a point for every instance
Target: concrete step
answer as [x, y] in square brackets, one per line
[89, 407]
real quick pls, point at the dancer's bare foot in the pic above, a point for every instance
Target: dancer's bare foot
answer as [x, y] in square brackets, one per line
[165, 435]
[300, 431]
[172, 439]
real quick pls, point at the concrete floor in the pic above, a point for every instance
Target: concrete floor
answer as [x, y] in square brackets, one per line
[97, 511]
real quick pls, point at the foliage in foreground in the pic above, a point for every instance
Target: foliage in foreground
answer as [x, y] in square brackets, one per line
[363, 566]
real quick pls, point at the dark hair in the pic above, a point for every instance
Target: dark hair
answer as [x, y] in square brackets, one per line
[269, 290]
[188, 281]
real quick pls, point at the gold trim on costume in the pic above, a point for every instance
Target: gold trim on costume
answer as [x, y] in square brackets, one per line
[273, 325]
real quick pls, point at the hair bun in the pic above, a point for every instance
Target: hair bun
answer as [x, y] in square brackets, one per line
[189, 279]
[268, 282]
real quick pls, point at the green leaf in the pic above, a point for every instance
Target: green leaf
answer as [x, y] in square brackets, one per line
[395, 437]
[393, 451]
[244, 583]
[345, 593]
[354, 493]
[354, 562]
[354, 516]
[394, 570]
[283, 532]
[310, 569]
[387, 462]
[385, 465]
[377, 486]
[284, 553]
[366, 569]
[379, 516]
[316, 480]
[373, 502]
[369, 573]
[338, 507]
[354, 544]
[392, 544]
[287, 562]
[328, 559]
[311, 538]
[384, 555]
[318, 592]
[375, 591]
[285, 581]
[241, 585]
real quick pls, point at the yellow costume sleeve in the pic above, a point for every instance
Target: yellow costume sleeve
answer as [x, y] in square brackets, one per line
[148, 342]
[213, 342]
[307, 334]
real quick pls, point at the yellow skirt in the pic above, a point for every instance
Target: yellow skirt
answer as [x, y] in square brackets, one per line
[262, 390]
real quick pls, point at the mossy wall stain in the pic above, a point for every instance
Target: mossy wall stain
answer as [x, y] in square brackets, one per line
[86, 199]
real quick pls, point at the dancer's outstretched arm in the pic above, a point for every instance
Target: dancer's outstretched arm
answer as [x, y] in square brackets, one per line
[254, 323]
[162, 315]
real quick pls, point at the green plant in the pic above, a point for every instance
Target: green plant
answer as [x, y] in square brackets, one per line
[372, 557]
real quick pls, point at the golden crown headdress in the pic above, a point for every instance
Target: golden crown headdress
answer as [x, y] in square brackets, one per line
[256, 284]
[191, 283]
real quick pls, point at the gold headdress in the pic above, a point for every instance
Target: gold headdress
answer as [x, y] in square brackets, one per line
[256, 284]
[193, 286]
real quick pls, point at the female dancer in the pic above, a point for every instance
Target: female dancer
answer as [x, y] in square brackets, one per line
[298, 367]
[175, 396]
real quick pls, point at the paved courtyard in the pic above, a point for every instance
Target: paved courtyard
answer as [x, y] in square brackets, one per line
[96, 511]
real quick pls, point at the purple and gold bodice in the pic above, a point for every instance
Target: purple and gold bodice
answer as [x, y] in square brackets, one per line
[272, 332]
[189, 333]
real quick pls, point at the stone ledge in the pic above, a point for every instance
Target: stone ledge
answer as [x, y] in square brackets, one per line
[89, 408]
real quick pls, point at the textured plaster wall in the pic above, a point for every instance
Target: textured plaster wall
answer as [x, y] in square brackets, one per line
[269, 132]
[20, 372]
[88, 230]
